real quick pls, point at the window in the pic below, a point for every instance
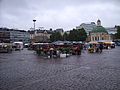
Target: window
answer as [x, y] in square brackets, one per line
[98, 38]
[102, 38]
[95, 38]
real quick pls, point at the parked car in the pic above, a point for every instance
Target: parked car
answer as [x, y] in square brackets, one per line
[117, 43]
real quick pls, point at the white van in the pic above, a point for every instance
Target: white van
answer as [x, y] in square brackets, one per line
[18, 45]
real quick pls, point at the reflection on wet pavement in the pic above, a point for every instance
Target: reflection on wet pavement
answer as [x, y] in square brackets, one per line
[24, 70]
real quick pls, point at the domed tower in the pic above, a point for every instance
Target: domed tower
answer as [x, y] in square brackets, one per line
[99, 33]
[98, 22]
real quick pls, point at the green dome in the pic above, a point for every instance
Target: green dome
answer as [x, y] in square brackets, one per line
[99, 29]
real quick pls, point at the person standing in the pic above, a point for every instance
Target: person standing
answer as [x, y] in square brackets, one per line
[51, 52]
[101, 48]
[97, 48]
[79, 49]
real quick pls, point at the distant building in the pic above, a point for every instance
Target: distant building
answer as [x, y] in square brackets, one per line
[12, 35]
[99, 33]
[60, 30]
[4, 36]
[40, 35]
[111, 30]
[87, 26]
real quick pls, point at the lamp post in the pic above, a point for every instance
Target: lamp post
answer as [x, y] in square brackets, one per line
[34, 29]
[34, 26]
[34, 23]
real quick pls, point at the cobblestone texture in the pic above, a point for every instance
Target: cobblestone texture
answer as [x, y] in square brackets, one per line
[24, 70]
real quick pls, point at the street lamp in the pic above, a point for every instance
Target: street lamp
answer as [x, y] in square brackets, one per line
[34, 23]
[34, 27]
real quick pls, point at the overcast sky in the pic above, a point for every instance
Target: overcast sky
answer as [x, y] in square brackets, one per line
[66, 14]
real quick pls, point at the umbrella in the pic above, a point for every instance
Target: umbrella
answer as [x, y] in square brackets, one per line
[93, 42]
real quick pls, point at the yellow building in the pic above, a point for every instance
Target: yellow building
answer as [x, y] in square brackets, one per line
[99, 33]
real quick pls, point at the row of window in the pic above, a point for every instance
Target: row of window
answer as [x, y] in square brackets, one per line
[97, 38]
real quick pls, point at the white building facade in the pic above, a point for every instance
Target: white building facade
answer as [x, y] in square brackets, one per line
[99, 33]
[87, 26]
[111, 30]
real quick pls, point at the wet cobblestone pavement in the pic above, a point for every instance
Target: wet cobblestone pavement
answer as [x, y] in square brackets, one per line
[24, 70]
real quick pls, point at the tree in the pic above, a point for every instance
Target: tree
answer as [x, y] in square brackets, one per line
[83, 34]
[55, 36]
[77, 35]
[65, 36]
[73, 36]
[117, 35]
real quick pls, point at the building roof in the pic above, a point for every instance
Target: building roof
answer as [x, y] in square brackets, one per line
[99, 29]
[7, 29]
[41, 31]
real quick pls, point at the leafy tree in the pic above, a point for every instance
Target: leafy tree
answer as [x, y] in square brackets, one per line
[73, 35]
[83, 34]
[65, 36]
[55, 36]
[77, 35]
[117, 35]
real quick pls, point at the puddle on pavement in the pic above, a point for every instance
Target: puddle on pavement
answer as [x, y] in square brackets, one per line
[83, 67]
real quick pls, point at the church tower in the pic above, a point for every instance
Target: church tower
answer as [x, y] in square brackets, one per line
[98, 22]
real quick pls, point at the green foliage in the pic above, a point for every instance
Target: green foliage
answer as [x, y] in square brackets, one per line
[83, 34]
[65, 36]
[74, 35]
[65, 50]
[77, 35]
[55, 36]
[117, 35]
[118, 32]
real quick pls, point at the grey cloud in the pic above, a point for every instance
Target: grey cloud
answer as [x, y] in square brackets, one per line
[55, 13]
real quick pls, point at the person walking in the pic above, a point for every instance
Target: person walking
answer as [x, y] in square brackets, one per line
[97, 48]
[101, 48]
